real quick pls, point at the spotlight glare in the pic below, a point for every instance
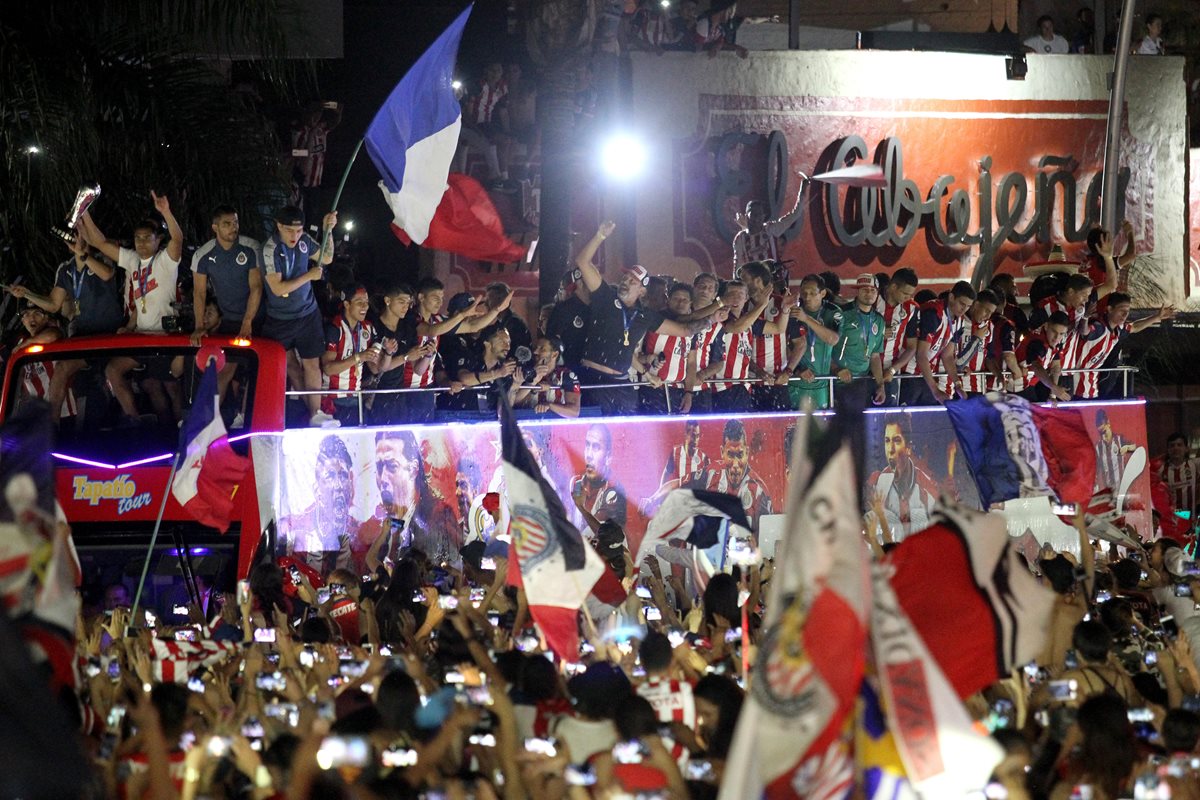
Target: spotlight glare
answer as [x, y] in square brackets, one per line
[349, 224]
[33, 150]
[456, 84]
[623, 157]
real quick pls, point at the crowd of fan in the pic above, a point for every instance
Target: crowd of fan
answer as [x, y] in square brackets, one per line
[645, 344]
[415, 679]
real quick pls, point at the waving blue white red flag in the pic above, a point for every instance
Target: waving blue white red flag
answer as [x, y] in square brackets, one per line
[207, 472]
[413, 136]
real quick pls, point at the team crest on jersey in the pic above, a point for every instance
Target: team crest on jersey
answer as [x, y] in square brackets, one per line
[241, 259]
[875, 328]
[783, 673]
[303, 246]
[616, 303]
[577, 322]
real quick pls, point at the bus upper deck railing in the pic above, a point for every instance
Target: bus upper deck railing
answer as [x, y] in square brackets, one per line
[362, 395]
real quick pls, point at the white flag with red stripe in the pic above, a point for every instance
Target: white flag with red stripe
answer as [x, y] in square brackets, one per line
[789, 739]
[943, 755]
[559, 568]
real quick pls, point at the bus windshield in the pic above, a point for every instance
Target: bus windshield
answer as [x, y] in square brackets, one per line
[123, 406]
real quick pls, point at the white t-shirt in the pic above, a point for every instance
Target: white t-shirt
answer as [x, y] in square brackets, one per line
[1056, 46]
[1150, 47]
[585, 738]
[156, 278]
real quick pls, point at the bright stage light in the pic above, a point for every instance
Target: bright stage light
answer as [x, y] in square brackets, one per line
[623, 157]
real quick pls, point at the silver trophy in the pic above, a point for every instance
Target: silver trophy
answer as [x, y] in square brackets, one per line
[84, 198]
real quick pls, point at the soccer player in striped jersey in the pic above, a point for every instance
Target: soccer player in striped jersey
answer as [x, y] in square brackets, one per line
[349, 345]
[37, 375]
[978, 353]
[940, 326]
[906, 493]
[900, 313]
[1181, 473]
[1104, 335]
[778, 341]
[669, 362]
[1040, 357]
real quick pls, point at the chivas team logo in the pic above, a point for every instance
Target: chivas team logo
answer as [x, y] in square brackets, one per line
[532, 535]
[783, 674]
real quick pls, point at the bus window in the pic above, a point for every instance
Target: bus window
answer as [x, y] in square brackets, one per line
[93, 424]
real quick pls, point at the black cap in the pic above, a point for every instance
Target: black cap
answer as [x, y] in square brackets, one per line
[289, 215]
[460, 302]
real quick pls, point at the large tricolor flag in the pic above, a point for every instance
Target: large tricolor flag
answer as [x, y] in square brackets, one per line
[207, 472]
[789, 738]
[1017, 449]
[413, 137]
[558, 567]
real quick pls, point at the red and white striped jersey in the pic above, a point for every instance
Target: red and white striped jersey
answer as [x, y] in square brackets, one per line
[977, 344]
[417, 380]
[673, 702]
[684, 464]
[1181, 483]
[483, 105]
[739, 353]
[674, 349]
[344, 341]
[749, 490]
[1070, 354]
[562, 382]
[901, 323]
[35, 381]
[1093, 350]
[747, 247]
[770, 350]
[908, 505]
[1035, 349]
[940, 329]
[703, 343]
[312, 166]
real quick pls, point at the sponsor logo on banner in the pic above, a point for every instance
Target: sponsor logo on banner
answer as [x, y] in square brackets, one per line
[123, 489]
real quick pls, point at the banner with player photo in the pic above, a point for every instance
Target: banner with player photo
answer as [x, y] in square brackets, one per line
[913, 458]
[334, 493]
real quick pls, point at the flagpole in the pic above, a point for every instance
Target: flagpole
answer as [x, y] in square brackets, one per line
[162, 508]
[337, 196]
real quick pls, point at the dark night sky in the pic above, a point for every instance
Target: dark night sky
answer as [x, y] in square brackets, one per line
[382, 40]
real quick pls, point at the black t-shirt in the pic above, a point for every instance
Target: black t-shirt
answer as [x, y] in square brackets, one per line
[98, 301]
[518, 331]
[569, 321]
[468, 399]
[405, 337]
[614, 331]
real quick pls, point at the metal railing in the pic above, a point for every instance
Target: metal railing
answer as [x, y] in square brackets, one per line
[833, 381]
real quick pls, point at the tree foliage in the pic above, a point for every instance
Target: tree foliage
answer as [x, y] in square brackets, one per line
[134, 95]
